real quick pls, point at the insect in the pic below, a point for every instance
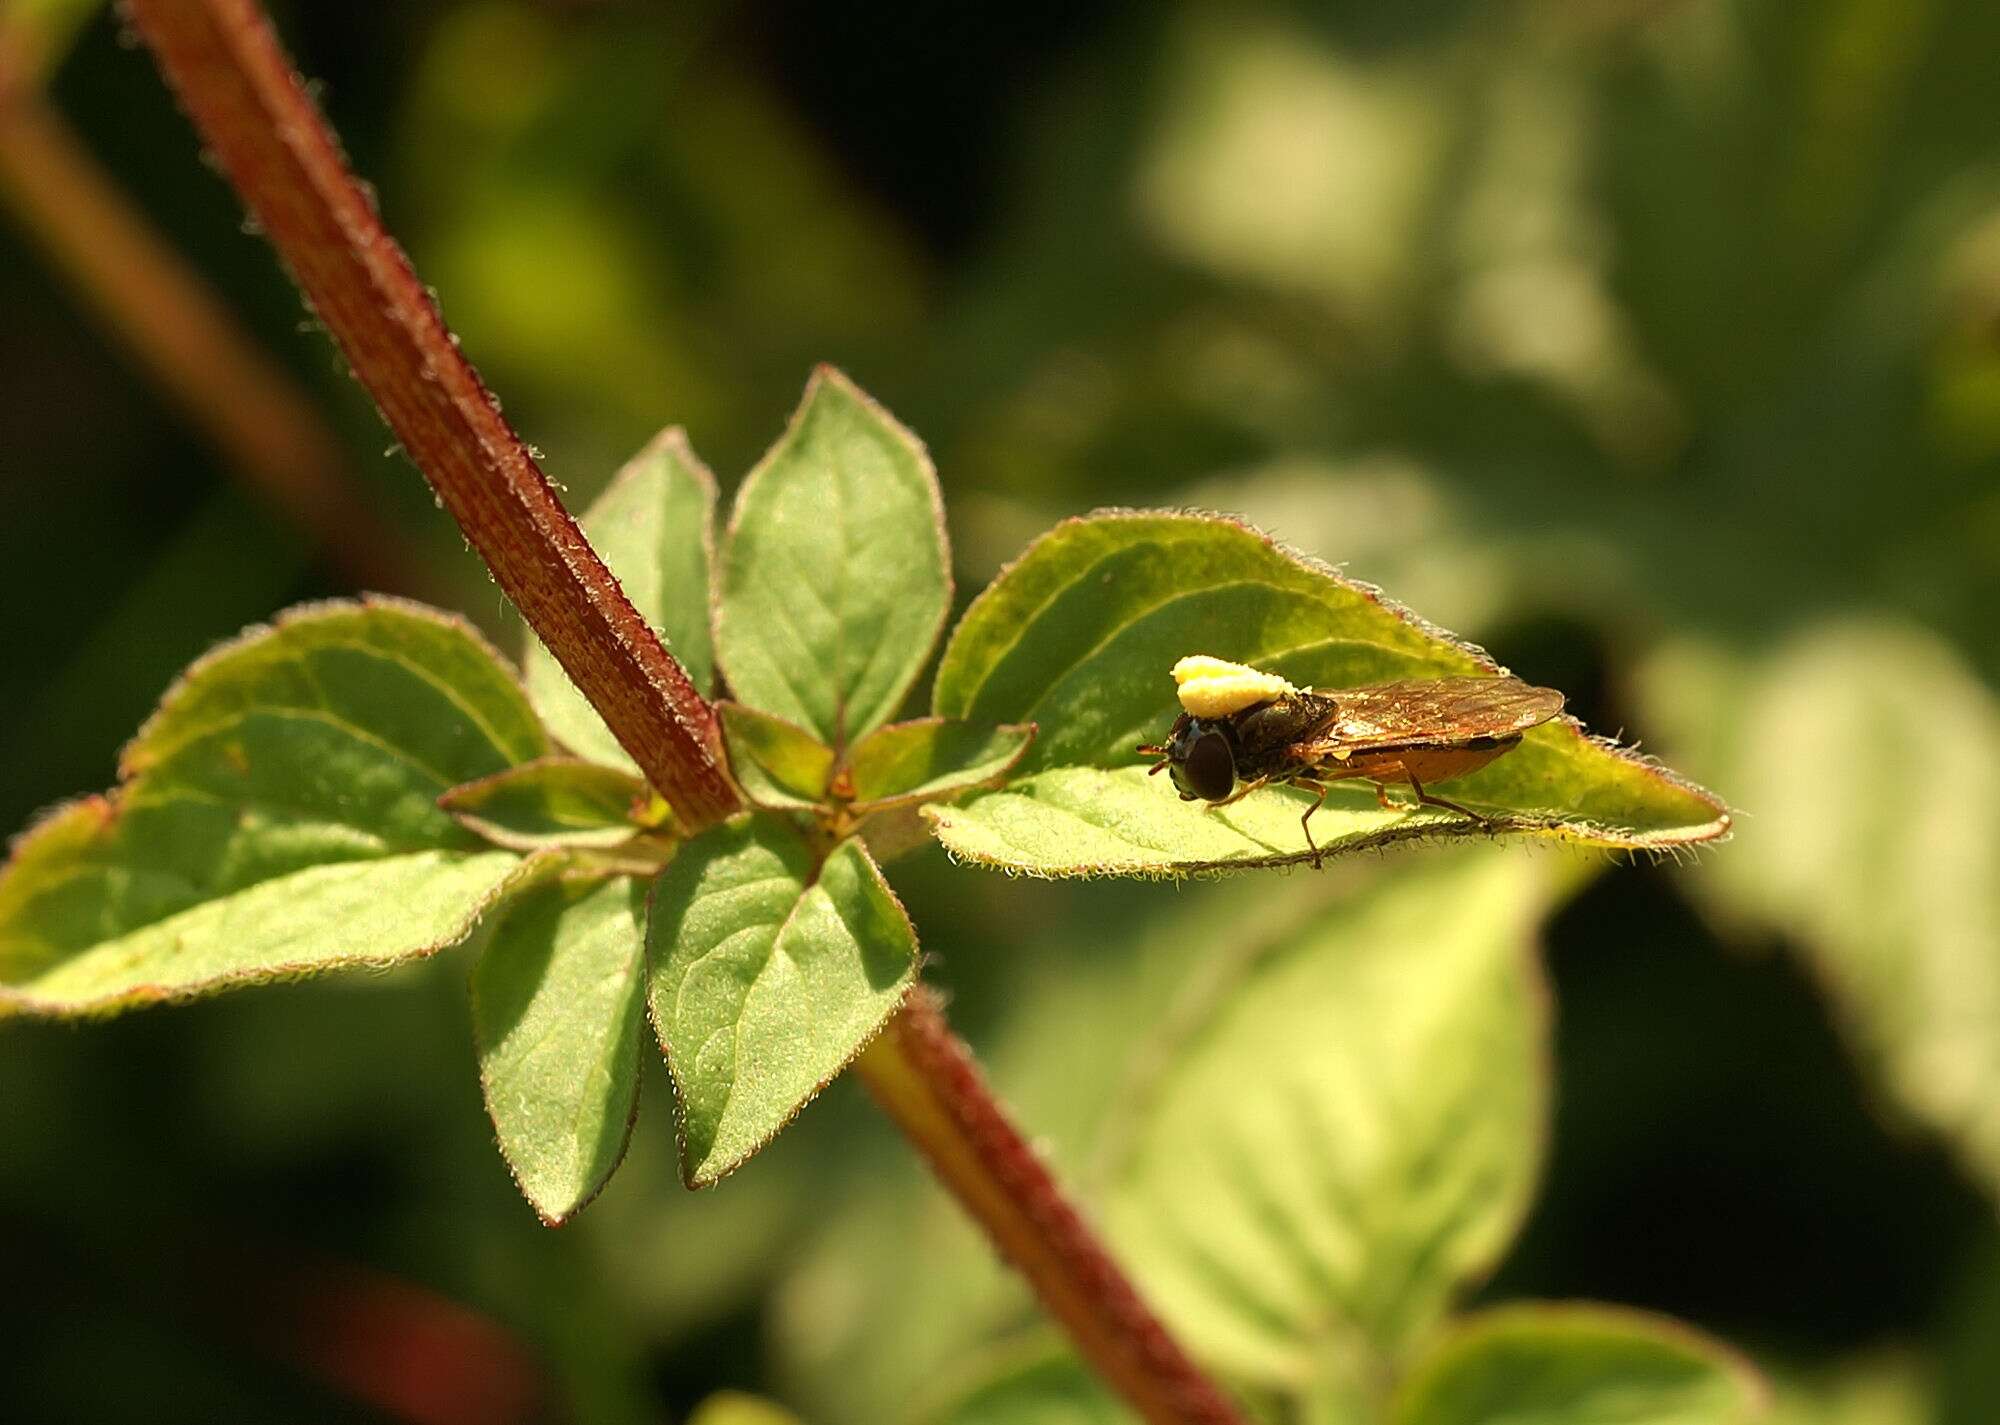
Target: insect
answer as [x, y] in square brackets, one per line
[1241, 729]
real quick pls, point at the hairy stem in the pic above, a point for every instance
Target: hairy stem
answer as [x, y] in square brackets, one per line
[224, 61]
[925, 1079]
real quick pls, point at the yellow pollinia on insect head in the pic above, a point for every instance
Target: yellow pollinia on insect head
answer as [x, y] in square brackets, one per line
[1215, 687]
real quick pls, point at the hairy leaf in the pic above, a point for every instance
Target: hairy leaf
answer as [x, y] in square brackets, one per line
[766, 980]
[654, 528]
[1346, 1125]
[1577, 1365]
[930, 759]
[1871, 756]
[778, 764]
[1079, 635]
[557, 1000]
[835, 576]
[279, 816]
[551, 802]
[98, 912]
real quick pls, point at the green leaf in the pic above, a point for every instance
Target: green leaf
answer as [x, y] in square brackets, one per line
[279, 817]
[1079, 634]
[100, 911]
[766, 980]
[654, 528]
[417, 687]
[1871, 755]
[1042, 1385]
[778, 764]
[730, 1407]
[557, 1000]
[1577, 1365]
[1883, 1386]
[551, 802]
[930, 759]
[835, 574]
[1347, 1124]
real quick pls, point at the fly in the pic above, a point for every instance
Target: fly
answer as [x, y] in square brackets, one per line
[1241, 729]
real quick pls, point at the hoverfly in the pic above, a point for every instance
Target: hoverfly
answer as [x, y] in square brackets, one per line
[1241, 729]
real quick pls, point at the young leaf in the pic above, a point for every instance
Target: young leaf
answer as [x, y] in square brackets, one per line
[765, 981]
[778, 764]
[930, 759]
[835, 574]
[279, 817]
[1079, 634]
[551, 802]
[1576, 1364]
[556, 1008]
[654, 528]
[1347, 1126]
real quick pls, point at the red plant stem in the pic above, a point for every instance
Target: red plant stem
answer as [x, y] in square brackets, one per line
[925, 1079]
[223, 60]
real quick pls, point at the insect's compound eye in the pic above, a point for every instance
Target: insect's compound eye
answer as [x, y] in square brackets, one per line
[1209, 771]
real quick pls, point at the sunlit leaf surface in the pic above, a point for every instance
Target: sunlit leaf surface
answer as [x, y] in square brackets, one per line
[1345, 1126]
[1870, 758]
[279, 816]
[557, 1004]
[1043, 1386]
[1079, 634]
[730, 1407]
[766, 979]
[835, 577]
[1577, 1365]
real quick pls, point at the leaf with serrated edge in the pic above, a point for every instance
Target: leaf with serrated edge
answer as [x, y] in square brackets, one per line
[653, 526]
[557, 1003]
[929, 759]
[299, 767]
[1574, 1363]
[77, 935]
[765, 981]
[1079, 635]
[777, 763]
[1346, 1126]
[835, 575]
[550, 802]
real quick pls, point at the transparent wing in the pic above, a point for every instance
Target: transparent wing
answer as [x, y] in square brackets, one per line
[1435, 710]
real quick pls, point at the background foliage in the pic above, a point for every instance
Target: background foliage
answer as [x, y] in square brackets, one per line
[1655, 346]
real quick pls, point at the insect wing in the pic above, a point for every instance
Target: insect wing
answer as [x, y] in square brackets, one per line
[1436, 710]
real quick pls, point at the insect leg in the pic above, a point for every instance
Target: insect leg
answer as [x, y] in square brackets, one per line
[1305, 822]
[1238, 795]
[1427, 799]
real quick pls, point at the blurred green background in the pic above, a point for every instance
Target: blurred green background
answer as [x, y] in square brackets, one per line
[1653, 343]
